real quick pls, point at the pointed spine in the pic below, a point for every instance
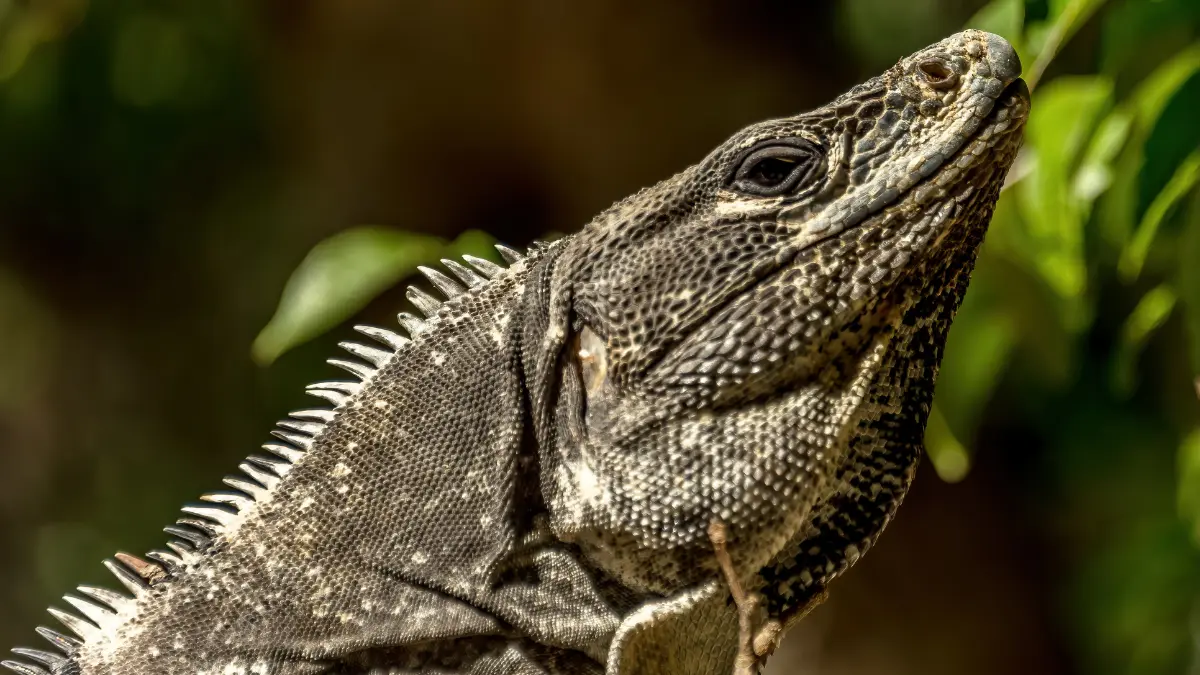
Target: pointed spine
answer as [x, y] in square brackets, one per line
[131, 581]
[307, 428]
[188, 535]
[376, 357]
[298, 440]
[465, 275]
[318, 414]
[22, 668]
[79, 626]
[361, 370]
[335, 397]
[487, 268]
[424, 302]
[181, 548]
[114, 600]
[274, 465]
[169, 561]
[65, 644]
[147, 571]
[411, 323]
[45, 658]
[245, 485]
[393, 340]
[285, 451]
[347, 388]
[510, 255]
[98, 614]
[232, 499]
[445, 284]
[267, 479]
[214, 513]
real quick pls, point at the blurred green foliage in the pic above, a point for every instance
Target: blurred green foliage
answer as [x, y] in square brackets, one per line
[1072, 365]
[1086, 264]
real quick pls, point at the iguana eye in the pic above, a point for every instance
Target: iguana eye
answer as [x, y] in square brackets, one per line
[777, 167]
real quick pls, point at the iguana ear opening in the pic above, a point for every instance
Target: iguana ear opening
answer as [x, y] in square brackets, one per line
[592, 356]
[588, 354]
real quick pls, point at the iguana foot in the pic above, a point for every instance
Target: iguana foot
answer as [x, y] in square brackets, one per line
[757, 639]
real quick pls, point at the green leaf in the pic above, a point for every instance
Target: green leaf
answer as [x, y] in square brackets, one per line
[1181, 183]
[337, 279]
[1173, 137]
[1136, 36]
[977, 350]
[1152, 95]
[476, 243]
[1005, 18]
[1053, 208]
[1046, 40]
[1120, 207]
[1150, 313]
[1188, 275]
[1188, 489]
[950, 458]
[1095, 173]
[1008, 283]
[1066, 111]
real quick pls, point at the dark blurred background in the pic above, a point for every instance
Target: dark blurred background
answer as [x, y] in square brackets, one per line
[197, 197]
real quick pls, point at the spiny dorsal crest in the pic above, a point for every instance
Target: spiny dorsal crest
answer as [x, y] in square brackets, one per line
[219, 514]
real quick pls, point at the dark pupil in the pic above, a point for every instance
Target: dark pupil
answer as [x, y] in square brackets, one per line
[771, 171]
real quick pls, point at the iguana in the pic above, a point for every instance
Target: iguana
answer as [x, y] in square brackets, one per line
[642, 449]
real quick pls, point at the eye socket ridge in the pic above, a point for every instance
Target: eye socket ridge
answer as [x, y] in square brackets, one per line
[776, 167]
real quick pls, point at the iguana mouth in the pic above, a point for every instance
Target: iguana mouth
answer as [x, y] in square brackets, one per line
[1005, 120]
[1016, 89]
[1002, 125]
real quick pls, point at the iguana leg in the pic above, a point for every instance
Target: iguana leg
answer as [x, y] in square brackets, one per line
[755, 641]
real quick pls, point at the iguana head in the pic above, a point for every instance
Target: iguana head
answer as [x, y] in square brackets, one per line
[704, 349]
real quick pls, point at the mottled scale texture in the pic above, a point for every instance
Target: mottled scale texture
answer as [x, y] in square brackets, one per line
[524, 482]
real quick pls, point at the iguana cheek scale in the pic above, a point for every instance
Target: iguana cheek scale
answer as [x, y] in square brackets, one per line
[719, 386]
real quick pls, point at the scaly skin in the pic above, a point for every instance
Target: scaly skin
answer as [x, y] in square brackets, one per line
[528, 483]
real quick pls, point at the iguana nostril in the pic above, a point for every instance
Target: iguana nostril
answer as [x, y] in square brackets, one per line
[937, 74]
